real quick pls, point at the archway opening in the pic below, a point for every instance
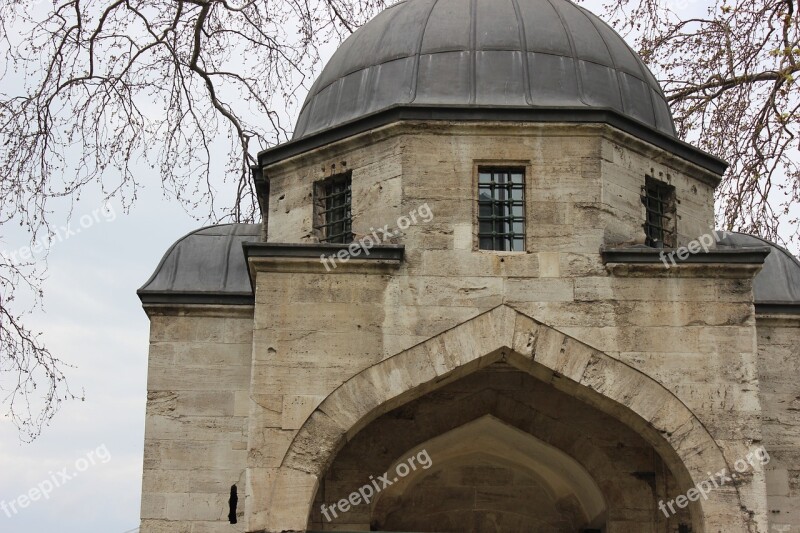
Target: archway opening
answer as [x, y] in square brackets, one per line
[506, 452]
[489, 476]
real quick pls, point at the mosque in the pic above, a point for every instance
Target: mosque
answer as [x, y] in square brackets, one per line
[486, 295]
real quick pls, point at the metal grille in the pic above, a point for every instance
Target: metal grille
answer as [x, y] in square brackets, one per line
[501, 209]
[659, 202]
[333, 201]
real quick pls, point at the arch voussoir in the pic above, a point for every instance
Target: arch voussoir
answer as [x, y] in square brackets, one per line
[565, 356]
[315, 444]
[688, 441]
[473, 340]
[605, 376]
[354, 401]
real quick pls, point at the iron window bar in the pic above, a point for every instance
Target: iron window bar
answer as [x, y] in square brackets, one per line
[659, 202]
[332, 203]
[501, 209]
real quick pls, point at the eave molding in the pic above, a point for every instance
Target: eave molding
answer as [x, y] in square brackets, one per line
[563, 115]
[664, 262]
[315, 257]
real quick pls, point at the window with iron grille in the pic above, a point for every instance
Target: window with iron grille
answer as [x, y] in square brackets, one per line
[332, 218]
[659, 202]
[501, 209]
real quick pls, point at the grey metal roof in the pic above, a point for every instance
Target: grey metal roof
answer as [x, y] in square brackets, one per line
[544, 54]
[778, 283]
[205, 266]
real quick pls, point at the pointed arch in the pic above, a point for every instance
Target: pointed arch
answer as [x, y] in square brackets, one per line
[503, 333]
[559, 475]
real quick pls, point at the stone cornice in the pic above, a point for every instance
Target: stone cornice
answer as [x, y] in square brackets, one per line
[657, 262]
[175, 307]
[778, 310]
[313, 257]
[573, 116]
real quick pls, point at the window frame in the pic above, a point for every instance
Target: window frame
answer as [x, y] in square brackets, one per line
[662, 233]
[505, 167]
[321, 224]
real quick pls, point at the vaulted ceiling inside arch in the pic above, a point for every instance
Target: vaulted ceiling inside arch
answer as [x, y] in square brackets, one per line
[567, 455]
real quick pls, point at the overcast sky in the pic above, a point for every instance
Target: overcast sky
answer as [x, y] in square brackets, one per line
[94, 321]
[89, 458]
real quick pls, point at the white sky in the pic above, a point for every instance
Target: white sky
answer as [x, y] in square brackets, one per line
[94, 320]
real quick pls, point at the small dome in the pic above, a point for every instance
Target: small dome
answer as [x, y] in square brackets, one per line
[778, 283]
[205, 266]
[479, 54]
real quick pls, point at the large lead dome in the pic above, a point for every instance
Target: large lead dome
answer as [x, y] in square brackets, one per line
[480, 54]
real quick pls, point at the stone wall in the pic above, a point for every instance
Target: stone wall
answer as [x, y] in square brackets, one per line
[584, 182]
[779, 373]
[690, 328]
[376, 188]
[196, 425]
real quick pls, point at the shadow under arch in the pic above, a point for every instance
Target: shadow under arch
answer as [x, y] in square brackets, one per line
[561, 477]
[505, 334]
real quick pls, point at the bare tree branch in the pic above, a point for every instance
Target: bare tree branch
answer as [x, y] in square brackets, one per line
[192, 88]
[730, 79]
